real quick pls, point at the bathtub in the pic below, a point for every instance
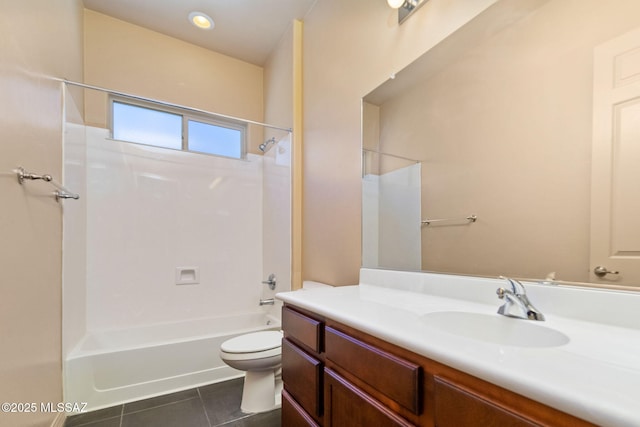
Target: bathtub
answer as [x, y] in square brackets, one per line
[118, 366]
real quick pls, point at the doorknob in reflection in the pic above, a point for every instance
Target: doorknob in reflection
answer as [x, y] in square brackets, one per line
[601, 271]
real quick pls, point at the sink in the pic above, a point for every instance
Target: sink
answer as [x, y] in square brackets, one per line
[495, 328]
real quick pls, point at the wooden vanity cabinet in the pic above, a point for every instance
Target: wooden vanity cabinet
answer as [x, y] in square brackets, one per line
[338, 376]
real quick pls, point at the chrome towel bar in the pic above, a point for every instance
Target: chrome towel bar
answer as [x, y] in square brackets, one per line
[60, 193]
[470, 219]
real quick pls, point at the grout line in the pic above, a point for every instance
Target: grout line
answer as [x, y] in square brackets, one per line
[121, 415]
[156, 407]
[244, 417]
[97, 420]
[203, 408]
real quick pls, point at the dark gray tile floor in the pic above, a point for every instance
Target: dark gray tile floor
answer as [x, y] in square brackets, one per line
[207, 406]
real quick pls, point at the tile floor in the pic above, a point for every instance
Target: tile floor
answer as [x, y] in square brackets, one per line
[207, 406]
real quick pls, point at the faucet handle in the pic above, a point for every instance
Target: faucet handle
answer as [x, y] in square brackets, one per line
[271, 281]
[516, 287]
[501, 292]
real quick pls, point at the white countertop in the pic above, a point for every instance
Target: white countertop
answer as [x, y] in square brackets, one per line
[595, 376]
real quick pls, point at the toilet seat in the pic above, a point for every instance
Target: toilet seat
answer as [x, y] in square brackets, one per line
[253, 342]
[256, 345]
[259, 354]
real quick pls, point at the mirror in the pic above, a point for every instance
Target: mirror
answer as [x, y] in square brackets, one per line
[492, 132]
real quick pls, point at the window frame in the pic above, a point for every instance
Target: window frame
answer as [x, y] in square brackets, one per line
[187, 115]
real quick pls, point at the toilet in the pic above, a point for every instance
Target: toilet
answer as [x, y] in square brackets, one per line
[259, 354]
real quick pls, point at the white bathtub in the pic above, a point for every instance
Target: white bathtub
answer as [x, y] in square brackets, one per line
[117, 366]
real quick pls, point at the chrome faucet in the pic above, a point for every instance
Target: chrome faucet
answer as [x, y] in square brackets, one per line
[268, 301]
[516, 302]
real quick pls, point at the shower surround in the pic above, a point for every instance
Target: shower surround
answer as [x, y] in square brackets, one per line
[151, 211]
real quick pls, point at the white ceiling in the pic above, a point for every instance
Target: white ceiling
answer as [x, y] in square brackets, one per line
[245, 29]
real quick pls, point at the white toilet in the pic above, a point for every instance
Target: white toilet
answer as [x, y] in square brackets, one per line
[259, 354]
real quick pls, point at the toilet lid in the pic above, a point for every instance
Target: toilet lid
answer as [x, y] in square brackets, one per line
[253, 342]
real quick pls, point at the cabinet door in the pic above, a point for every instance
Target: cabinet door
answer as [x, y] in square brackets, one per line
[455, 407]
[293, 415]
[348, 406]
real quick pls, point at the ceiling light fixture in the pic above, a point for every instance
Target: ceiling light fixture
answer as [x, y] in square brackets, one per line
[201, 20]
[395, 4]
[405, 7]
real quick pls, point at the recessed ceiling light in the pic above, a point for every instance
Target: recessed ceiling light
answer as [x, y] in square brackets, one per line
[201, 20]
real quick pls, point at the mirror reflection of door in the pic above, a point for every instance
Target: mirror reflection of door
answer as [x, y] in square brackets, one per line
[615, 185]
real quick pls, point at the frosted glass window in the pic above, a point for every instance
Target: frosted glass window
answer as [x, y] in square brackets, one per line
[214, 139]
[147, 126]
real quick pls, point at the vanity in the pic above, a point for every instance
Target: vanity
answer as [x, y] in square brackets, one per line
[424, 349]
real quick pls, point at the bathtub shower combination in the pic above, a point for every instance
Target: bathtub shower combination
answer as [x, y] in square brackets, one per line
[165, 254]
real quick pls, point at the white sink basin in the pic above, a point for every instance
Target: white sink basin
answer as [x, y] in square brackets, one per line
[496, 329]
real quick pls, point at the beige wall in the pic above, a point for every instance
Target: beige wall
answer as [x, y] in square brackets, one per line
[128, 58]
[278, 87]
[350, 47]
[40, 38]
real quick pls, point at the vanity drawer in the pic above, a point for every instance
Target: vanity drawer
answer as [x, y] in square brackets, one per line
[456, 407]
[303, 329]
[396, 378]
[302, 377]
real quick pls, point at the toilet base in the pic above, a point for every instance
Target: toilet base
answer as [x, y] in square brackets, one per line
[261, 391]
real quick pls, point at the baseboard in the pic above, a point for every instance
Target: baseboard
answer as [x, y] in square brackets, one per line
[59, 420]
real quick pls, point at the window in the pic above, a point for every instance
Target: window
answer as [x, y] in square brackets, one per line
[146, 126]
[215, 139]
[151, 124]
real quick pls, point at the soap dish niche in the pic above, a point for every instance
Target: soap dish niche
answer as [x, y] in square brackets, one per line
[187, 275]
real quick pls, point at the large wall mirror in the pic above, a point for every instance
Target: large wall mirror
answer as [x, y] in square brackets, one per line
[512, 148]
